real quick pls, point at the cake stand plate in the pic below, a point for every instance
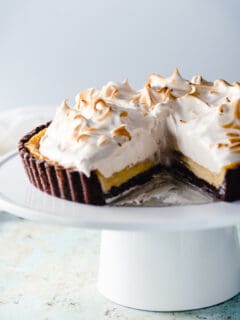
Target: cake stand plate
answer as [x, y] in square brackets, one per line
[163, 259]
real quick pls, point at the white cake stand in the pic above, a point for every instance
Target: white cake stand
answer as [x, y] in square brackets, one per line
[162, 259]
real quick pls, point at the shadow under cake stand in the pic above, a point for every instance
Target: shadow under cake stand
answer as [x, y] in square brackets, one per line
[162, 259]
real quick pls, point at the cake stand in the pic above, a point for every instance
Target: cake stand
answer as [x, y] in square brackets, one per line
[161, 259]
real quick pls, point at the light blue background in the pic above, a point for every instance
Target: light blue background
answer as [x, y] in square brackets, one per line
[50, 50]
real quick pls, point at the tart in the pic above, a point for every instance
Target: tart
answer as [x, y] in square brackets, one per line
[116, 138]
[96, 150]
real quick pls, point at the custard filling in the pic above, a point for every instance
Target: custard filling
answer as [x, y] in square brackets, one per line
[33, 144]
[213, 178]
[119, 178]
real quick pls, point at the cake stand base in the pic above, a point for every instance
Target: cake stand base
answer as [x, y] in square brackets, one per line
[170, 271]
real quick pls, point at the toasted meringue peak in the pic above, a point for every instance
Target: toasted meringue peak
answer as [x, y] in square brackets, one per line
[64, 104]
[175, 81]
[200, 80]
[221, 84]
[176, 73]
[236, 84]
[154, 80]
[118, 90]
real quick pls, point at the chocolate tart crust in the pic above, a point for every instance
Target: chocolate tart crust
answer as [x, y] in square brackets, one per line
[58, 181]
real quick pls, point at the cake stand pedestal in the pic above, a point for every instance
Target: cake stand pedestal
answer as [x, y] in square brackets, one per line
[169, 271]
[161, 259]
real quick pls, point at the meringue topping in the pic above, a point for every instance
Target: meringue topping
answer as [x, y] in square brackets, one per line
[115, 127]
[103, 125]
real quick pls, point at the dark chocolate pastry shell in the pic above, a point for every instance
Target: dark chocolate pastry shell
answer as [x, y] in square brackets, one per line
[58, 181]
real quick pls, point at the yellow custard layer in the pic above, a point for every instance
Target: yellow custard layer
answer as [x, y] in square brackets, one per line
[215, 179]
[33, 144]
[119, 178]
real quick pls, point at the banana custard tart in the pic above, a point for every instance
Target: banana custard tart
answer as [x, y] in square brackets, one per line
[116, 138]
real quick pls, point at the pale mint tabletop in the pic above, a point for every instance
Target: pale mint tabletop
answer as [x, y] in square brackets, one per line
[49, 273]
